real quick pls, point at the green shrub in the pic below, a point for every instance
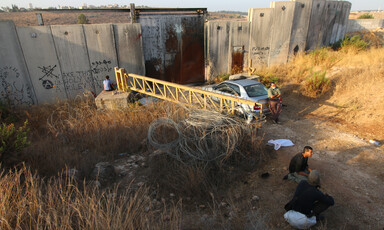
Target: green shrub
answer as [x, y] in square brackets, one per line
[267, 80]
[82, 19]
[319, 56]
[12, 140]
[317, 84]
[366, 16]
[6, 113]
[223, 77]
[354, 42]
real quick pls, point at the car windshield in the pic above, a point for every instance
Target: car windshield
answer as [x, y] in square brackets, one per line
[256, 90]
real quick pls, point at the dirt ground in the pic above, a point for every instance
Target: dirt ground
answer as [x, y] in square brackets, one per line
[351, 171]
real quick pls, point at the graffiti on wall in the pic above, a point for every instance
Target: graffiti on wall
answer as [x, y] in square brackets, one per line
[260, 55]
[13, 88]
[49, 80]
[76, 80]
[99, 70]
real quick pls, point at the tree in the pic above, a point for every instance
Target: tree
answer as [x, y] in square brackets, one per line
[15, 8]
[82, 19]
[366, 16]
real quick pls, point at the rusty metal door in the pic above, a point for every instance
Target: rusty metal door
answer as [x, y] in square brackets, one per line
[237, 60]
[174, 47]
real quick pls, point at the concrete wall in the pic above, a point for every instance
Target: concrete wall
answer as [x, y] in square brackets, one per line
[227, 47]
[58, 62]
[217, 47]
[330, 19]
[261, 21]
[15, 84]
[343, 23]
[102, 53]
[355, 25]
[283, 15]
[278, 33]
[300, 26]
[129, 48]
[316, 25]
[238, 46]
[43, 65]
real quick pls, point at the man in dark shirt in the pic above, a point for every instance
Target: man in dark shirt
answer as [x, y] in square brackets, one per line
[298, 167]
[308, 199]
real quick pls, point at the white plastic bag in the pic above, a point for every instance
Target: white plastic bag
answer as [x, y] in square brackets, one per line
[299, 220]
[281, 143]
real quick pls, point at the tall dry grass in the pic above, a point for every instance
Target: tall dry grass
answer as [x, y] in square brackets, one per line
[29, 202]
[75, 134]
[356, 81]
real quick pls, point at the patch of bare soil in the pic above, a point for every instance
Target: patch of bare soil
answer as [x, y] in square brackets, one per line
[57, 18]
[350, 167]
[68, 18]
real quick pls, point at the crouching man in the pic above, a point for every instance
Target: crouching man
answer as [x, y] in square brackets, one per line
[303, 211]
[298, 167]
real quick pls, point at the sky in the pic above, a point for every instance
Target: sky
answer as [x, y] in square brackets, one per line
[212, 5]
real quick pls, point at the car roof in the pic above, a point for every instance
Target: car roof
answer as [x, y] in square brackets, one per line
[243, 82]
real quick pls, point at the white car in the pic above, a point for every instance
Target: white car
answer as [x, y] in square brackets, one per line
[246, 89]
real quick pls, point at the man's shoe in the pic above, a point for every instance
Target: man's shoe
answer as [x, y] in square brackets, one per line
[285, 177]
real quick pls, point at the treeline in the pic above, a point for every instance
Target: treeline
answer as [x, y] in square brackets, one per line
[231, 12]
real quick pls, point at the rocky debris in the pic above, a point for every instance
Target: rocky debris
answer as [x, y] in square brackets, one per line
[127, 166]
[104, 172]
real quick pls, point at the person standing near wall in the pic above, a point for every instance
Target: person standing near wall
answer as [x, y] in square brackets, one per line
[107, 84]
[275, 106]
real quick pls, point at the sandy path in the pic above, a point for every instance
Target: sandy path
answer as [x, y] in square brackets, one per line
[351, 168]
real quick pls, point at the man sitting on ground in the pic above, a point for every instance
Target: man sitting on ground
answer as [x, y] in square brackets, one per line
[307, 203]
[298, 167]
[107, 84]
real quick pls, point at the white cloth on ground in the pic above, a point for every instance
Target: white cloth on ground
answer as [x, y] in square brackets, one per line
[281, 143]
[299, 220]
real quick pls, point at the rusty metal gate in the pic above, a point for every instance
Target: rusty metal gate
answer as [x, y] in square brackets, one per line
[173, 46]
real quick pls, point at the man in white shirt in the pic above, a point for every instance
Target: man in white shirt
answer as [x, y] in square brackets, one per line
[108, 85]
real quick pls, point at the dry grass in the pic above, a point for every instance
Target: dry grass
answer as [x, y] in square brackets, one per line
[29, 202]
[357, 80]
[75, 134]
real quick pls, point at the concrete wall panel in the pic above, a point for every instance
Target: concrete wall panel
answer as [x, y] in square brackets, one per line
[337, 23]
[239, 46]
[72, 53]
[283, 15]
[355, 25]
[43, 65]
[15, 85]
[102, 53]
[260, 36]
[300, 26]
[218, 47]
[129, 47]
[330, 20]
[316, 27]
[346, 9]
